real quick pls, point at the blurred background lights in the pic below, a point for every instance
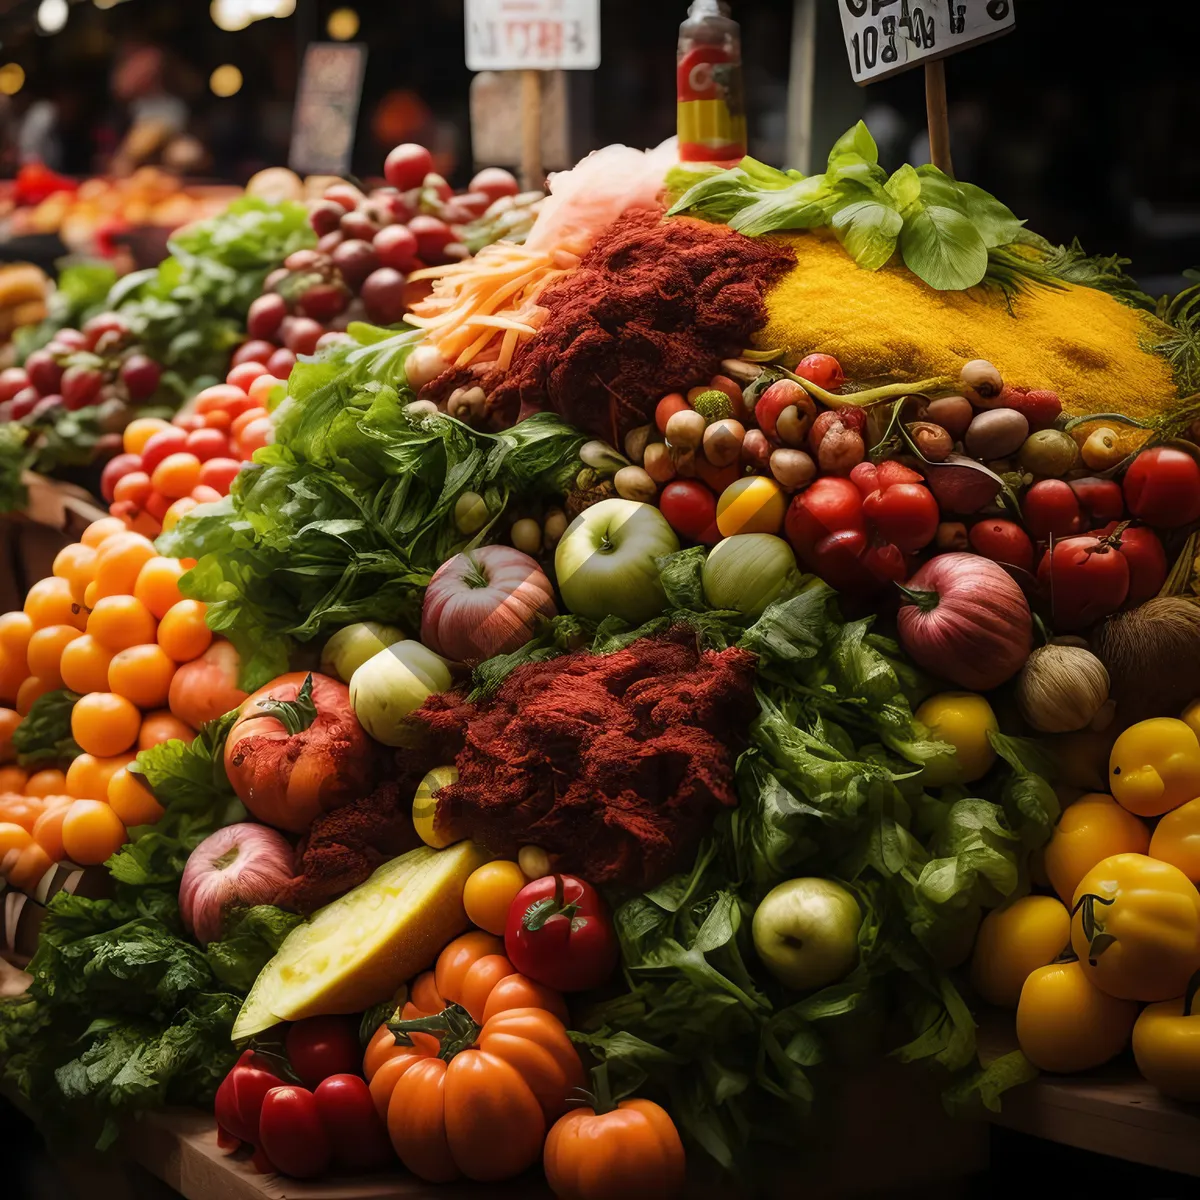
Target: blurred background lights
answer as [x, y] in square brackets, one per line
[226, 80]
[12, 79]
[342, 24]
[52, 15]
[230, 15]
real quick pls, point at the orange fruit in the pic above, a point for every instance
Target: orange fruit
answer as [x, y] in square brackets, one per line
[119, 561]
[163, 726]
[176, 475]
[104, 528]
[21, 810]
[84, 665]
[132, 800]
[48, 782]
[46, 647]
[88, 776]
[13, 837]
[142, 674]
[139, 431]
[49, 602]
[179, 508]
[103, 724]
[118, 622]
[15, 630]
[77, 565]
[13, 779]
[32, 863]
[47, 830]
[14, 670]
[9, 720]
[157, 584]
[183, 632]
[32, 689]
[755, 504]
[91, 832]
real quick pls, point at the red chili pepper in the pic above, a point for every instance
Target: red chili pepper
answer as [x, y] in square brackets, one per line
[239, 1101]
[292, 1136]
[560, 934]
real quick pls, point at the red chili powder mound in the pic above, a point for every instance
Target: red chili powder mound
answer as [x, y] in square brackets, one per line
[343, 847]
[653, 308]
[614, 763]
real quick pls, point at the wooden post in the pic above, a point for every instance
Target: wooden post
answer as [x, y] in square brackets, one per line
[532, 175]
[938, 117]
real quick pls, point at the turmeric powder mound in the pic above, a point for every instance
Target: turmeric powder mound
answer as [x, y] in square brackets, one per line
[888, 326]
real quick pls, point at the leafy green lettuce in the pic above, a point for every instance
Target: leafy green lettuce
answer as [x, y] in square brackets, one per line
[44, 738]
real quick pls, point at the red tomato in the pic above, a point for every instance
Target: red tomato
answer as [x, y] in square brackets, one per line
[318, 1047]
[822, 369]
[253, 351]
[291, 1134]
[1147, 560]
[1086, 578]
[1162, 487]
[188, 421]
[161, 445]
[206, 444]
[254, 436]
[203, 494]
[1051, 510]
[1102, 499]
[356, 1132]
[239, 1101]
[218, 397]
[244, 374]
[666, 408]
[219, 473]
[114, 470]
[897, 504]
[1003, 542]
[691, 509]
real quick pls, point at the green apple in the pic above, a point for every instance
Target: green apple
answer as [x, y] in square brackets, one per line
[748, 571]
[806, 932]
[605, 562]
[394, 683]
[349, 648]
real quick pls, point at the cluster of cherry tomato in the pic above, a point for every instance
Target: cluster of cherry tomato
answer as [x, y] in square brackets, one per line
[79, 368]
[111, 625]
[169, 467]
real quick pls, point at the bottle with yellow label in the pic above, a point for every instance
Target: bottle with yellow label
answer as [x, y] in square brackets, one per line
[712, 110]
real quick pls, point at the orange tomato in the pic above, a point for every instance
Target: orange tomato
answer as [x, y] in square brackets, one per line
[49, 602]
[261, 389]
[91, 594]
[217, 419]
[118, 622]
[15, 630]
[13, 779]
[255, 436]
[46, 650]
[99, 531]
[48, 782]
[183, 632]
[13, 839]
[134, 488]
[91, 832]
[14, 670]
[84, 665]
[21, 810]
[139, 431]
[88, 776]
[176, 475]
[31, 690]
[180, 508]
[132, 800]
[77, 565]
[30, 865]
[104, 724]
[157, 584]
[163, 726]
[9, 720]
[119, 561]
[218, 397]
[142, 674]
[489, 894]
[47, 830]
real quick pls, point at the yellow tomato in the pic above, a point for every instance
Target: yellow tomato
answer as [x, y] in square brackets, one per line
[132, 800]
[432, 827]
[119, 562]
[15, 631]
[49, 782]
[157, 584]
[1176, 839]
[91, 832]
[10, 720]
[99, 531]
[1166, 1046]
[104, 724]
[1136, 928]
[1015, 941]
[963, 720]
[49, 602]
[14, 672]
[142, 674]
[1155, 766]
[31, 688]
[755, 504]
[1094, 828]
[139, 431]
[77, 565]
[84, 665]
[1064, 1024]
[489, 894]
[88, 776]
[46, 646]
[118, 622]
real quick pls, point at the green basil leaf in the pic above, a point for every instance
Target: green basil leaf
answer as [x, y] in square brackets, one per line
[939, 189]
[868, 231]
[904, 186]
[944, 248]
[855, 143]
[996, 222]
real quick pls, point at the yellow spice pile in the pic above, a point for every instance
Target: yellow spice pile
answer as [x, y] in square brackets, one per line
[887, 326]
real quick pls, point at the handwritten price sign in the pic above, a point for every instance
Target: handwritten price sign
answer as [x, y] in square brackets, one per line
[537, 35]
[885, 37]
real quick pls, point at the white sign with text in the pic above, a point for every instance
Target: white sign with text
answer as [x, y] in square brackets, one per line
[533, 35]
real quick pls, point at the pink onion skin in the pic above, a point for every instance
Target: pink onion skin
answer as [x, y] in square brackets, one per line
[484, 602]
[978, 632]
[236, 867]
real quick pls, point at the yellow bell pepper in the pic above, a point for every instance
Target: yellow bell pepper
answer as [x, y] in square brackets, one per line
[1092, 829]
[1135, 925]
[1176, 839]
[1155, 766]
[1166, 1045]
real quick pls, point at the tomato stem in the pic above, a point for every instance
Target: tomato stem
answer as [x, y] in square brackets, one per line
[1093, 930]
[538, 913]
[454, 1027]
[294, 715]
[926, 601]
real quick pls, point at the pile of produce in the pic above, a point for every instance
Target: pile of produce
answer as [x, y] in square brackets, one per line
[627, 677]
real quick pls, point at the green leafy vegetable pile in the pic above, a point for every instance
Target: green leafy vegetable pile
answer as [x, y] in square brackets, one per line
[126, 1013]
[189, 312]
[43, 738]
[829, 785]
[346, 517]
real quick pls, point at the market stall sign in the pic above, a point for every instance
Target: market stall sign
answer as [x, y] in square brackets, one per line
[327, 108]
[885, 37]
[540, 35]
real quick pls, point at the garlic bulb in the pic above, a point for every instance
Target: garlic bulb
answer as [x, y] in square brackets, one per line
[1062, 688]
